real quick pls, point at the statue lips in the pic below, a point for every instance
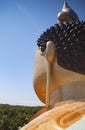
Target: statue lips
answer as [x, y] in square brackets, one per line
[69, 40]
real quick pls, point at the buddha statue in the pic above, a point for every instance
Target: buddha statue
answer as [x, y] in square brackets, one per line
[59, 74]
[62, 47]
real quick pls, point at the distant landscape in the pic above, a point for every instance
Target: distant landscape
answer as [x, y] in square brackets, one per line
[14, 117]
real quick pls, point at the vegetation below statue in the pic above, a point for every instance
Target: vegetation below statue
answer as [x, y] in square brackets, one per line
[14, 117]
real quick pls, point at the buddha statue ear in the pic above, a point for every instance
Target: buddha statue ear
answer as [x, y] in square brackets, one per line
[50, 57]
[50, 51]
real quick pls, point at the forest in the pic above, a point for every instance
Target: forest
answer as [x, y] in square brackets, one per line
[14, 117]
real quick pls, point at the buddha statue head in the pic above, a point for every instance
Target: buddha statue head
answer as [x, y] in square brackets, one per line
[61, 51]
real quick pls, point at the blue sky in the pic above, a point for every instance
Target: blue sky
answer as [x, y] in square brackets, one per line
[21, 23]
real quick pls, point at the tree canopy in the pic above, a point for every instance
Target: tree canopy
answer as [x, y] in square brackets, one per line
[14, 117]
